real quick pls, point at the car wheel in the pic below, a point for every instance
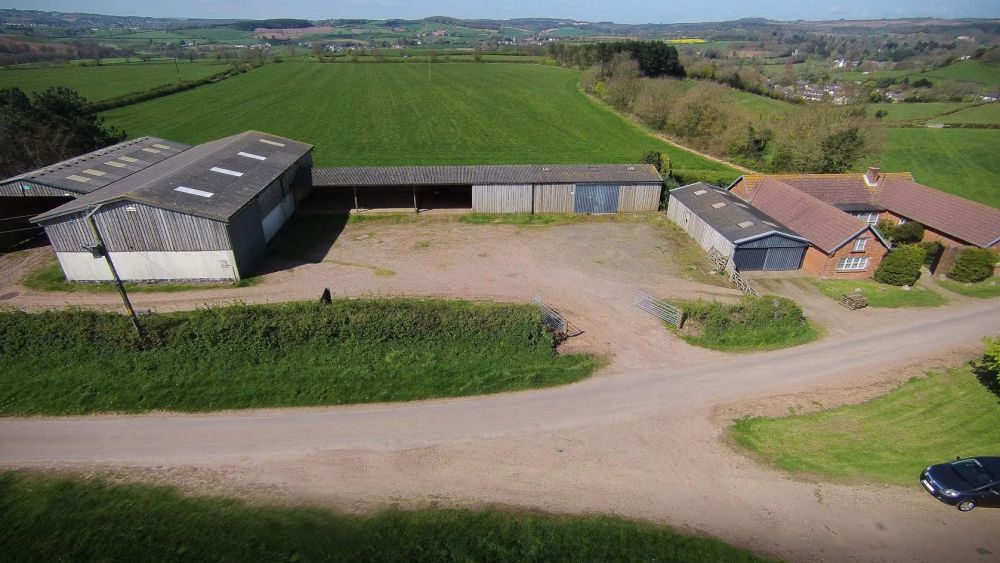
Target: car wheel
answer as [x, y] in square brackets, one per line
[966, 505]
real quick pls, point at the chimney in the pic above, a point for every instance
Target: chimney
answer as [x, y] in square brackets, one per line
[872, 176]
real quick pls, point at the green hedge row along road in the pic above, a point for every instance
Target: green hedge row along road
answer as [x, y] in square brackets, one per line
[62, 519]
[378, 115]
[931, 420]
[295, 354]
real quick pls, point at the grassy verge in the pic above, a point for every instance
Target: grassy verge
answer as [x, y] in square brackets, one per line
[755, 323]
[983, 289]
[65, 519]
[889, 439]
[49, 277]
[881, 295]
[295, 354]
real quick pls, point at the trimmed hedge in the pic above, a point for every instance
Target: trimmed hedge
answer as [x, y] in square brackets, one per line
[973, 265]
[901, 266]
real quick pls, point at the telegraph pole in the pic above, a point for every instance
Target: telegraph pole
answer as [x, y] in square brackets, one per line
[99, 249]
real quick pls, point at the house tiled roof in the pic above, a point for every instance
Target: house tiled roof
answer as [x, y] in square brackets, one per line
[835, 189]
[491, 174]
[826, 227]
[958, 217]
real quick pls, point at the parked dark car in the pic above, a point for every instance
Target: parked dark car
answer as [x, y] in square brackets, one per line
[965, 483]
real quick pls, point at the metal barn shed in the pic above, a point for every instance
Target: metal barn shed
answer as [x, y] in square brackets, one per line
[718, 220]
[202, 213]
[498, 189]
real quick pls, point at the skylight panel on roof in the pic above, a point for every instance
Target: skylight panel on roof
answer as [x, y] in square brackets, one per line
[128, 159]
[719, 205]
[744, 224]
[275, 143]
[700, 192]
[251, 155]
[159, 146]
[192, 191]
[152, 150]
[770, 223]
[226, 171]
[76, 178]
[115, 164]
[93, 172]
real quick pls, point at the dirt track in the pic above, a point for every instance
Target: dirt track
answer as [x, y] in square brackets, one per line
[645, 440]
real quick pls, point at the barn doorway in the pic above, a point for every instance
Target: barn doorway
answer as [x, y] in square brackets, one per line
[595, 198]
[444, 197]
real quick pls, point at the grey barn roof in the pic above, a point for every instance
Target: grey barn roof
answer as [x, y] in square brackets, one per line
[725, 213]
[489, 174]
[258, 159]
[90, 172]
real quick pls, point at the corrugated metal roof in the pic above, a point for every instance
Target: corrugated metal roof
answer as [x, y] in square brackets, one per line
[488, 174]
[90, 172]
[728, 214]
[192, 169]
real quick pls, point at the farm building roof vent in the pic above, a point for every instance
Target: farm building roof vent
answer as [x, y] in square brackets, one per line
[251, 155]
[700, 192]
[775, 225]
[192, 191]
[745, 224]
[719, 205]
[275, 143]
[226, 171]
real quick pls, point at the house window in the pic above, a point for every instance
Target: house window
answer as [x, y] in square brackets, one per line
[870, 218]
[852, 264]
[859, 245]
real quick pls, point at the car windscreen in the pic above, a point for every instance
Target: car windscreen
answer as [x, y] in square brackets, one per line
[973, 472]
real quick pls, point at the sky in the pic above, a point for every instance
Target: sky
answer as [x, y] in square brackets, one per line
[620, 11]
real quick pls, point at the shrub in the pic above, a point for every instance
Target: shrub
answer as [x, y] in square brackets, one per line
[887, 228]
[765, 322]
[713, 177]
[973, 265]
[901, 266]
[932, 249]
[908, 233]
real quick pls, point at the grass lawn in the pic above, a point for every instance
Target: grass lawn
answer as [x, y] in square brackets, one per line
[294, 354]
[984, 289]
[984, 114]
[880, 294]
[400, 114]
[50, 518]
[959, 161]
[108, 81]
[755, 323]
[49, 277]
[913, 112]
[967, 71]
[889, 439]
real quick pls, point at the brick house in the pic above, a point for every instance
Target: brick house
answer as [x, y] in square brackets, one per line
[953, 221]
[840, 245]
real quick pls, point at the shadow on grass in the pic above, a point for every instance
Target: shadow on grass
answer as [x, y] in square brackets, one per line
[988, 378]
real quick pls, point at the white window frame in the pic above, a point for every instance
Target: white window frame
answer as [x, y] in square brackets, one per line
[860, 244]
[870, 218]
[852, 264]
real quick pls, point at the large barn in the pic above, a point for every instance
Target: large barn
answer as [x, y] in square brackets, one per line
[719, 220]
[167, 211]
[614, 188]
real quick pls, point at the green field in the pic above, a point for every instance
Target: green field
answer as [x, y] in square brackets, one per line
[967, 71]
[294, 354]
[960, 161]
[880, 294]
[49, 518]
[107, 81]
[914, 112]
[889, 439]
[986, 114]
[408, 114]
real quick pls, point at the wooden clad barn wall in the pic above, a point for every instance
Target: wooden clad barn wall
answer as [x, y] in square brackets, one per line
[129, 226]
[706, 237]
[554, 198]
[639, 199]
[496, 198]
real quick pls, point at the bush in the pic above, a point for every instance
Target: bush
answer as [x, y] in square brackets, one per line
[714, 177]
[908, 233]
[901, 266]
[766, 322]
[932, 249]
[973, 265]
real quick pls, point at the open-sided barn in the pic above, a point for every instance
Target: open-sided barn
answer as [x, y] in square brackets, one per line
[182, 213]
[718, 220]
[499, 188]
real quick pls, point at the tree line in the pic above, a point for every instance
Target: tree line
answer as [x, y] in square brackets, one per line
[654, 58]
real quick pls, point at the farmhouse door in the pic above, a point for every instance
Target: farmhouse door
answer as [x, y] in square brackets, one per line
[595, 198]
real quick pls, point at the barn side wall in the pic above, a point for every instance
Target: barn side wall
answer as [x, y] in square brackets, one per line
[640, 198]
[706, 237]
[494, 198]
[554, 198]
[150, 266]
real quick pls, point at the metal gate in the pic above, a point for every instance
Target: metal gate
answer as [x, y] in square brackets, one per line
[595, 198]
